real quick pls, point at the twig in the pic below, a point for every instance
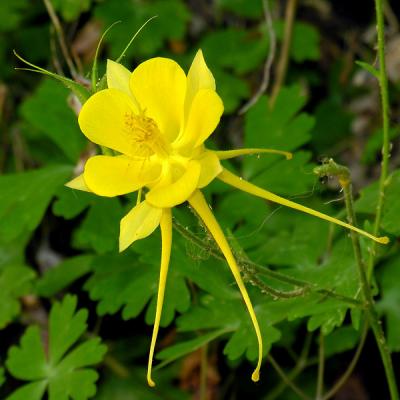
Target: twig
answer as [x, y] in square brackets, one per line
[283, 61]
[268, 63]
[53, 51]
[60, 35]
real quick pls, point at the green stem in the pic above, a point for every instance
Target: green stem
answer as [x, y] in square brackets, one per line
[301, 364]
[285, 378]
[283, 61]
[368, 298]
[343, 379]
[383, 85]
[321, 366]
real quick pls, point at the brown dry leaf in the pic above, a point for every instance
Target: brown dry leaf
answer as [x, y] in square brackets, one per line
[393, 58]
[86, 40]
[191, 371]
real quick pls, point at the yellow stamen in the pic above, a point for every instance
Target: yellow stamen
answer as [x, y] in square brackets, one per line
[200, 205]
[166, 241]
[226, 154]
[235, 181]
[144, 135]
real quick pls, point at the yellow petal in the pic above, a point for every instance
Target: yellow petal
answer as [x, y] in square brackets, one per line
[226, 154]
[201, 207]
[235, 181]
[159, 86]
[166, 242]
[78, 183]
[203, 118]
[103, 120]
[210, 168]
[139, 223]
[199, 77]
[118, 77]
[113, 176]
[170, 195]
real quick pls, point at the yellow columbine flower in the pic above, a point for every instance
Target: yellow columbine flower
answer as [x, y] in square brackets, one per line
[157, 119]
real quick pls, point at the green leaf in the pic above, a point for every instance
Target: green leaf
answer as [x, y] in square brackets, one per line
[183, 348]
[70, 203]
[291, 238]
[62, 275]
[280, 128]
[391, 209]
[15, 281]
[231, 316]
[337, 273]
[389, 305]
[31, 391]
[287, 177]
[249, 9]
[244, 50]
[374, 145]
[71, 9]
[130, 282]
[25, 196]
[63, 373]
[11, 14]
[13, 252]
[2, 377]
[369, 68]
[99, 231]
[171, 24]
[305, 41]
[52, 97]
[332, 124]
[340, 340]
[231, 89]
[136, 388]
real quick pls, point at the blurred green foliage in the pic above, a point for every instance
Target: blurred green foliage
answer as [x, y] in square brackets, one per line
[59, 246]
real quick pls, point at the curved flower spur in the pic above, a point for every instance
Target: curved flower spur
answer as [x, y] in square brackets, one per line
[156, 119]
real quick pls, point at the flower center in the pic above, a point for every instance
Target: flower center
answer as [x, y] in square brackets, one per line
[145, 136]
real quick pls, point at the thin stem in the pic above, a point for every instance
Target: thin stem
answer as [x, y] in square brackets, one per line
[285, 50]
[60, 36]
[369, 301]
[203, 372]
[383, 85]
[116, 366]
[373, 317]
[343, 379]
[286, 379]
[268, 63]
[321, 366]
[297, 370]
[342, 173]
